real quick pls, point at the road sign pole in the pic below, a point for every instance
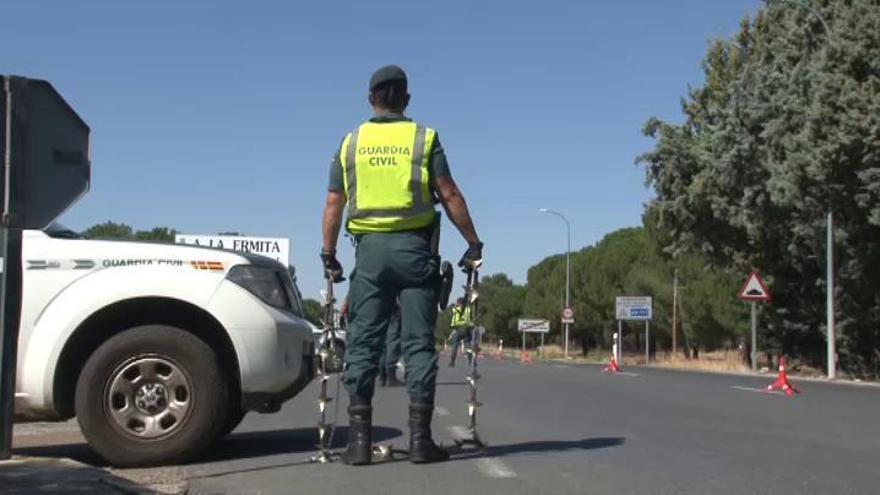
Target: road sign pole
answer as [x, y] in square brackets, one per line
[619, 340]
[10, 318]
[647, 342]
[524, 344]
[5, 396]
[753, 291]
[566, 341]
[754, 337]
[542, 344]
[674, 311]
[45, 168]
[10, 279]
[7, 365]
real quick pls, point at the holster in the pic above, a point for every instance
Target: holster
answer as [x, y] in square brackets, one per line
[446, 277]
[446, 271]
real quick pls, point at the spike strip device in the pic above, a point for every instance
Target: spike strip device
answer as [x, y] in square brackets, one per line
[471, 297]
[330, 362]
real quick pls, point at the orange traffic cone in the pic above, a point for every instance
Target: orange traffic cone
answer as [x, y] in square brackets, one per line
[498, 355]
[612, 367]
[525, 358]
[781, 382]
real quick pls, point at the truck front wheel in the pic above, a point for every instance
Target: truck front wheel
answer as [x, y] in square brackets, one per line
[151, 395]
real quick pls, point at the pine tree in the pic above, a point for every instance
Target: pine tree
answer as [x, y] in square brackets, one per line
[785, 129]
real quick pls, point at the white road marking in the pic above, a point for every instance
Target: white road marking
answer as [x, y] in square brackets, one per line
[761, 390]
[458, 432]
[491, 467]
[561, 366]
[441, 411]
[627, 373]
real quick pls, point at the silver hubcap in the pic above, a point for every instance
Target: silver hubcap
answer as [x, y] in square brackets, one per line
[149, 397]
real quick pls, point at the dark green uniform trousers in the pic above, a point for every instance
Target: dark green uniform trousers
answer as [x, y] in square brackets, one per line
[460, 335]
[391, 353]
[388, 267]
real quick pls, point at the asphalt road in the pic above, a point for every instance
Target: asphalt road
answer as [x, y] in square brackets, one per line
[570, 429]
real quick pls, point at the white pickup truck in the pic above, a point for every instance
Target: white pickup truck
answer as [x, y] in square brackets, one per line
[157, 349]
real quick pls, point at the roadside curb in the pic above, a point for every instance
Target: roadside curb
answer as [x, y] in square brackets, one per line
[27, 474]
[131, 488]
[126, 486]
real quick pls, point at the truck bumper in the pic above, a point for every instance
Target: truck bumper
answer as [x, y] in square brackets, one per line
[270, 402]
[275, 348]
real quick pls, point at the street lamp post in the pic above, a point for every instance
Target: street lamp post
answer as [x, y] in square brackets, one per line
[812, 10]
[831, 337]
[567, 268]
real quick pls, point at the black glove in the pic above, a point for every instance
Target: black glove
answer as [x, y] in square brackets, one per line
[472, 258]
[332, 267]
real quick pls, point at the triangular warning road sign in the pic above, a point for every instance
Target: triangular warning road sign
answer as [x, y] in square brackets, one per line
[754, 289]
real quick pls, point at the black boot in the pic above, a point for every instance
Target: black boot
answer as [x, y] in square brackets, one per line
[422, 448]
[360, 434]
[392, 378]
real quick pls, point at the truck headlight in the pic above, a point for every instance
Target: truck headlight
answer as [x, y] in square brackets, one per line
[264, 283]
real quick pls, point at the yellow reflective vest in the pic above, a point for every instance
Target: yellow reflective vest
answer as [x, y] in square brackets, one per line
[385, 172]
[461, 317]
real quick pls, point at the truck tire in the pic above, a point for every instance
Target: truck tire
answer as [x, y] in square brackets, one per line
[233, 419]
[152, 395]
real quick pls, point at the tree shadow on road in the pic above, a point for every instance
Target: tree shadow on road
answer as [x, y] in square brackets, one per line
[538, 447]
[236, 446]
[273, 442]
[250, 446]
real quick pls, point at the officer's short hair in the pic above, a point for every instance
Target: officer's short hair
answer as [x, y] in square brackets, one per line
[390, 95]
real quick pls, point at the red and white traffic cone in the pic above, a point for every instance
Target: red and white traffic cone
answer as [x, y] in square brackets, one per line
[612, 367]
[499, 352]
[781, 382]
[525, 358]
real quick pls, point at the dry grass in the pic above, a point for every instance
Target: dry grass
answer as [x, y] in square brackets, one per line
[715, 361]
[718, 361]
[551, 353]
[731, 362]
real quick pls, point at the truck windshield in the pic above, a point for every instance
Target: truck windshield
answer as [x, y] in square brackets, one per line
[294, 293]
[58, 231]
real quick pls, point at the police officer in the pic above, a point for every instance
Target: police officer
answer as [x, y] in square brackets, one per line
[462, 325]
[386, 174]
[391, 353]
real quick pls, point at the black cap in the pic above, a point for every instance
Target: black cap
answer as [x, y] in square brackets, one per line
[387, 74]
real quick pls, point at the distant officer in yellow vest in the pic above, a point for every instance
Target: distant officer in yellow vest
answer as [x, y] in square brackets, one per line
[462, 325]
[387, 173]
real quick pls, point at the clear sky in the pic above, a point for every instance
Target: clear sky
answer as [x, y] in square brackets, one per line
[212, 116]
